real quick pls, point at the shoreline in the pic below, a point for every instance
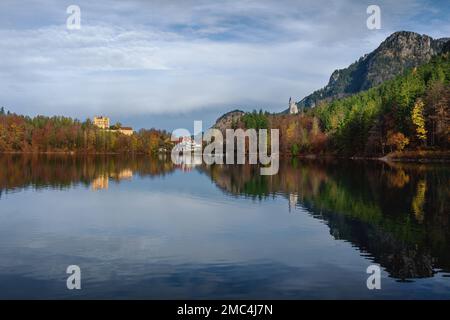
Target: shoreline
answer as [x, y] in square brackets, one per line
[407, 156]
[421, 156]
[75, 153]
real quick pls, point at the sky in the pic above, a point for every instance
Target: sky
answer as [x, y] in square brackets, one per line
[167, 63]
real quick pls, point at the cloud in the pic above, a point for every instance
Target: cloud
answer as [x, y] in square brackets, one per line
[139, 58]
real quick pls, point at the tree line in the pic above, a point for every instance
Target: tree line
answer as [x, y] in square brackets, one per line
[409, 112]
[20, 133]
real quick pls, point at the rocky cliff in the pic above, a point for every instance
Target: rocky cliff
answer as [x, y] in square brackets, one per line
[228, 120]
[400, 51]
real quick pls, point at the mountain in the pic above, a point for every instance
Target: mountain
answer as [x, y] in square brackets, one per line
[227, 120]
[400, 51]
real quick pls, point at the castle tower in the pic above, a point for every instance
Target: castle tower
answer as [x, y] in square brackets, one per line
[101, 122]
[293, 109]
[293, 199]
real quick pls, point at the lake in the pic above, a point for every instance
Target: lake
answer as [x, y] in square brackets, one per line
[141, 227]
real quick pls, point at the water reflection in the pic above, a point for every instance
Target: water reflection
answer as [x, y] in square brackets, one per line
[398, 214]
[65, 171]
[395, 214]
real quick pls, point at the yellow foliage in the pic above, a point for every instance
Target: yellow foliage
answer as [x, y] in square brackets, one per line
[419, 200]
[418, 120]
[290, 131]
[397, 140]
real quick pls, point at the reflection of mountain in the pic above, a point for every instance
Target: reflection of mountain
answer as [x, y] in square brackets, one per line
[396, 214]
[402, 259]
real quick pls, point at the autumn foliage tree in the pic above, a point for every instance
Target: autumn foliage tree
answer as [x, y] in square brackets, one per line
[62, 134]
[397, 141]
[415, 104]
[418, 119]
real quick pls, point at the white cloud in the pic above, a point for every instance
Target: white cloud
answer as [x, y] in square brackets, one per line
[140, 57]
[150, 72]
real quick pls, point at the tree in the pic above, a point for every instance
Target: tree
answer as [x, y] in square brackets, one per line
[375, 140]
[397, 140]
[2, 111]
[41, 134]
[437, 110]
[418, 119]
[255, 120]
[295, 149]
[117, 126]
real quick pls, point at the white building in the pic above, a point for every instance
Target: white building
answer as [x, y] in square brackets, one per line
[293, 109]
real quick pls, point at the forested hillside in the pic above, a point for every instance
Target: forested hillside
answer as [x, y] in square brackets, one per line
[400, 51]
[409, 112]
[61, 134]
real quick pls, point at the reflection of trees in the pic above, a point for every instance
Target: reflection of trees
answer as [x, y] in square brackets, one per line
[401, 259]
[63, 171]
[396, 213]
[419, 200]
[398, 179]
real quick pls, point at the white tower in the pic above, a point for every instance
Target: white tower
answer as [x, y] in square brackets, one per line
[293, 109]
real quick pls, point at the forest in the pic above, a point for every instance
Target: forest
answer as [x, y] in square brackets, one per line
[43, 134]
[406, 114]
[410, 112]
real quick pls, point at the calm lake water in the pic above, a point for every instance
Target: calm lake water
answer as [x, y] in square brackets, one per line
[145, 228]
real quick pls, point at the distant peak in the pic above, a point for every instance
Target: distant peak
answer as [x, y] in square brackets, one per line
[398, 52]
[405, 36]
[403, 33]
